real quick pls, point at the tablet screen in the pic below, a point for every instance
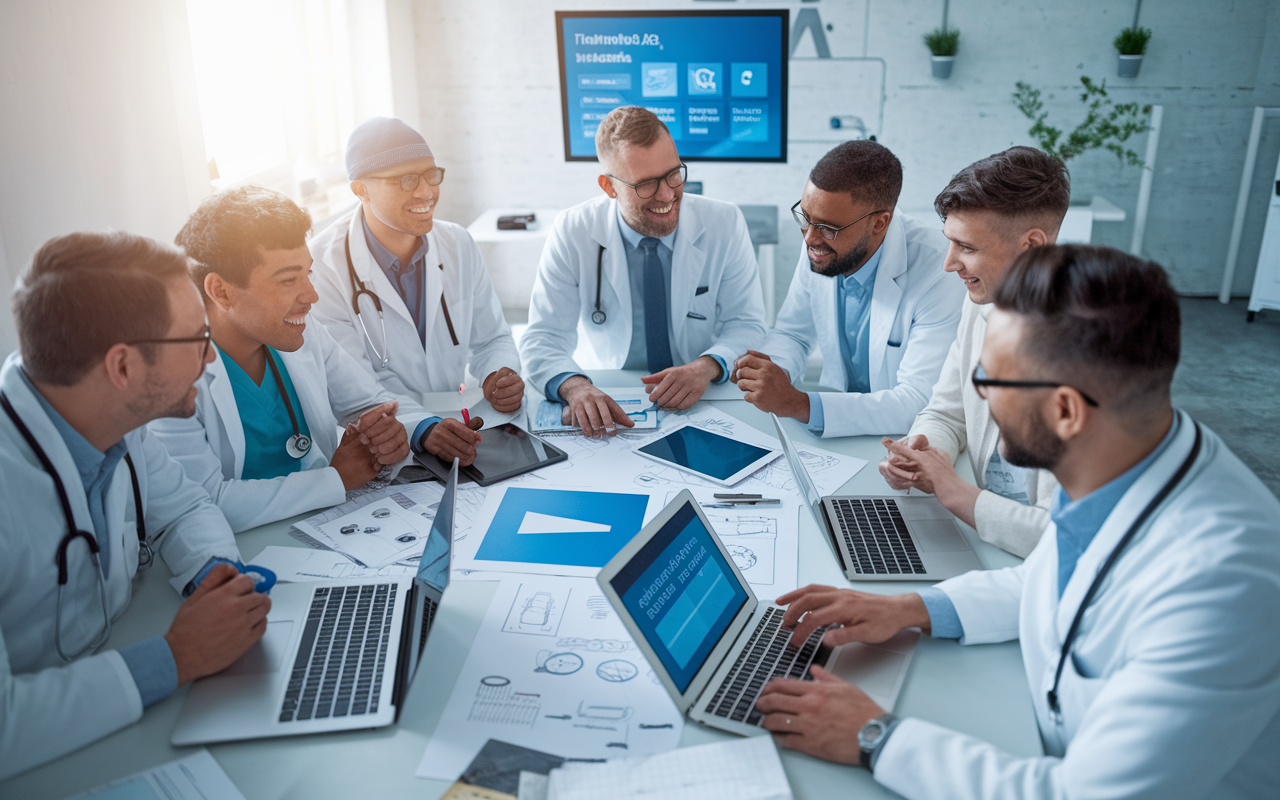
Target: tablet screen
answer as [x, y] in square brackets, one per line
[708, 453]
[508, 450]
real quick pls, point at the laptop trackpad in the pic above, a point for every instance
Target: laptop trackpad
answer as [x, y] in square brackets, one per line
[874, 670]
[267, 655]
[937, 536]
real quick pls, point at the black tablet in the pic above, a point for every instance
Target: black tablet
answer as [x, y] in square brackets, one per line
[504, 452]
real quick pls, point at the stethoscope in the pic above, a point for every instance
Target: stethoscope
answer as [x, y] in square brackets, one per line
[598, 316]
[359, 288]
[145, 553]
[299, 444]
[1055, 709]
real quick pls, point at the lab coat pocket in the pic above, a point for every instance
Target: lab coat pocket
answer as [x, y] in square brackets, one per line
[893, 358]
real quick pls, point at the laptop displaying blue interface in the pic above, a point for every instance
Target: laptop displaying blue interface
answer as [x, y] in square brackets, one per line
[682, 593]
[709, 453]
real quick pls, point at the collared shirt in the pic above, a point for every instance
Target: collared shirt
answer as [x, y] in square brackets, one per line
[1005, 479]
[410, 282]
[1077, 524]
[265, 419]
[853, 316]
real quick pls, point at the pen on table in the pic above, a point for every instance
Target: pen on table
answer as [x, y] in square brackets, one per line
[759, 501]
[736, 496]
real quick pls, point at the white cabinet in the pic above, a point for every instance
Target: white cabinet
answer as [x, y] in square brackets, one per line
[1266, 282]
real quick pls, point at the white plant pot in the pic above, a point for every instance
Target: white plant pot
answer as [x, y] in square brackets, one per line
[942, 66]
[1129, 66]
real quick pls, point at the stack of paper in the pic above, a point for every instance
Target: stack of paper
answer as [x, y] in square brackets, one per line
[635, 402]
[743, 769]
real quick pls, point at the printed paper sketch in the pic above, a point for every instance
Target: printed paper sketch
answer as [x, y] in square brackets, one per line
[497, 702]
[536, 612]
[595, 645]
[599, 607]
[617, 671]
[558, 663]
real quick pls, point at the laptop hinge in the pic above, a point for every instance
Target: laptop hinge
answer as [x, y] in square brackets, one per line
[404, 670]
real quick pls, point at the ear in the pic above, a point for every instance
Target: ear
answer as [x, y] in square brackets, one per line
[359, 190]
[1068, 413]
[118, 363]
[218, 290]
[1034, 238]
[881, 223]
[606, 184]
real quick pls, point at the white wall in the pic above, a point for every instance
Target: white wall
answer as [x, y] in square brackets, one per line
[99, 130]
[490, 106]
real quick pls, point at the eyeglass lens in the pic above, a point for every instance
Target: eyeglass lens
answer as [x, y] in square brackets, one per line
[675, 179]
[433, 177]
[826, 231]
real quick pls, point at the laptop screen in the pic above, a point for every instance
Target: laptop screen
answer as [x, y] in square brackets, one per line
[682, 594]
[433, 568]
[810, 492]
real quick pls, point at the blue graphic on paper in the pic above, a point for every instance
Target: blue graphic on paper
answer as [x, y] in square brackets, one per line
[549, 526]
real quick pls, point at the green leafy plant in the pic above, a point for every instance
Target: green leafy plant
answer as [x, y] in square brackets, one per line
[1106, 125]
[943, 41]
[1133, 41]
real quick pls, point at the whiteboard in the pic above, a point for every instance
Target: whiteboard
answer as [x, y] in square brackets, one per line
[821, 88]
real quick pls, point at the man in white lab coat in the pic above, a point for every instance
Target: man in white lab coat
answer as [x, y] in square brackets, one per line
[870, 292]
[408, 295]
[994, 209]
[264, 440]
[1169, 685]
[649, 277]
[111, 335]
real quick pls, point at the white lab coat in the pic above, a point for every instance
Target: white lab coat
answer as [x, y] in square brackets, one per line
[915, 308]
[332, 389]
[1174, 687]
[712, 250]
[456, 270]
[47, 706]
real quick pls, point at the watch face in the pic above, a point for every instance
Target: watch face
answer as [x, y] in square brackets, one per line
[870, 734]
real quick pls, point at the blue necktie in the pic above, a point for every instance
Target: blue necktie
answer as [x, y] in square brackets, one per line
[657, 345]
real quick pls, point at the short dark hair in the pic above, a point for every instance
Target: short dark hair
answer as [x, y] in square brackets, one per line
[225, 232]
[1021, 182]
[84, 293]
[1101, 313]
[864, 170]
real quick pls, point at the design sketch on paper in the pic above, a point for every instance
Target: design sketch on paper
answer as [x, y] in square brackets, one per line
[616, 671]
[565, 663]
[536, 612]
[496, 701]
[599, 606]
[595, 645]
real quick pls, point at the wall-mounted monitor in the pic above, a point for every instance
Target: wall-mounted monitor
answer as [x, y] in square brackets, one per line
[718, 79]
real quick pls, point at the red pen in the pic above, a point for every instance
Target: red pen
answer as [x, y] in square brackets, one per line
[466, 418]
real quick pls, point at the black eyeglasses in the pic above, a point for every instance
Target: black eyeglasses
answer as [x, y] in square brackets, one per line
[981, 382]
[207, 338]
[433, 177]
[828, 232]
[646, 189]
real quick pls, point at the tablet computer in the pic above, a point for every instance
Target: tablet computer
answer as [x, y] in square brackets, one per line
[504, 452]
[708, 455]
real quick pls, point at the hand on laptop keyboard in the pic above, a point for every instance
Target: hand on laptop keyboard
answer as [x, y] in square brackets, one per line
[820, 717]
[864, 617]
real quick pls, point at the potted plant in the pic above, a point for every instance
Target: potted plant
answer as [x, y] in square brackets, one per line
[1106, 126]
[1132, 44]
[942, 43]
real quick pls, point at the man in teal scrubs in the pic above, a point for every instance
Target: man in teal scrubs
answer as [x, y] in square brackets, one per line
[265, 438]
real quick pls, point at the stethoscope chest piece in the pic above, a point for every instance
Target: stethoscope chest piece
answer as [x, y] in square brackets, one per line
[298, 445]
[598, 317]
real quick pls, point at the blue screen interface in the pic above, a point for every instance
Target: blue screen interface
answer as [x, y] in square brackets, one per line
[705, 452]
[682, 593]
[716, 79]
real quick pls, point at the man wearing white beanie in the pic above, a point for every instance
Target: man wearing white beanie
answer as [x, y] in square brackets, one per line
[407, 295]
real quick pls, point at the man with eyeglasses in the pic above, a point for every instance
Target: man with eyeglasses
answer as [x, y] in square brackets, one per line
[265, 441]
[408, 295]
[111, 336]
[869, 291]
[650, 278]
[993, 209]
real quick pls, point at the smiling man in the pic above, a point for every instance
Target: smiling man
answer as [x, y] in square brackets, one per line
[652, 279]
[870, 291]
[994, 209]
[408, 295]
[264, 439]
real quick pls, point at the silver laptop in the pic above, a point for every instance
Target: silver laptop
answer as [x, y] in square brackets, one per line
[709, 640]
[884, 538]
[337, 655]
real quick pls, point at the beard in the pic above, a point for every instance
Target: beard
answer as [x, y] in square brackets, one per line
[847, 263]
[157, 403]
[1036, 447]
[655, 228]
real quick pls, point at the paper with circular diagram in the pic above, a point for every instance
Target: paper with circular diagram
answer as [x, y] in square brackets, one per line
[552, 668]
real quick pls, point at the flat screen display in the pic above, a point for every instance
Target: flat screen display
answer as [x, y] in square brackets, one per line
[717, 79]
[708, 453]
[682, 593]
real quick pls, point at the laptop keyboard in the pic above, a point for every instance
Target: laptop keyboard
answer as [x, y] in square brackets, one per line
[876, 537]
[429, 607]
[769, 654]
[343, 653]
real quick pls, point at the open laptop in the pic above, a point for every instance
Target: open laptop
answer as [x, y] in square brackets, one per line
[884, 538]
[709, 640]
[337, 655]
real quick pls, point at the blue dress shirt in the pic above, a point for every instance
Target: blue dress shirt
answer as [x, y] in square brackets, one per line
[637, 354]
[1077, 522]
[266, 420]
[409, 281]
[853, 315]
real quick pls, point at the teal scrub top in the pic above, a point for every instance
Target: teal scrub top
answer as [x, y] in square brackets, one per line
[266, 420]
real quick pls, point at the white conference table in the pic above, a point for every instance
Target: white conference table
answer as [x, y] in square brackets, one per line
[980, 690]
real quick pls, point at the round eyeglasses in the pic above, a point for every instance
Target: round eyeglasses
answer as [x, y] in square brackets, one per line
[648, 188]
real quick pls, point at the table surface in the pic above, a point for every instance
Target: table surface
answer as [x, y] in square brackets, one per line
[485, 227]
[979, 690]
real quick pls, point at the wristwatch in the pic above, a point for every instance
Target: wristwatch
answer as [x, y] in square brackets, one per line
[873, 735]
